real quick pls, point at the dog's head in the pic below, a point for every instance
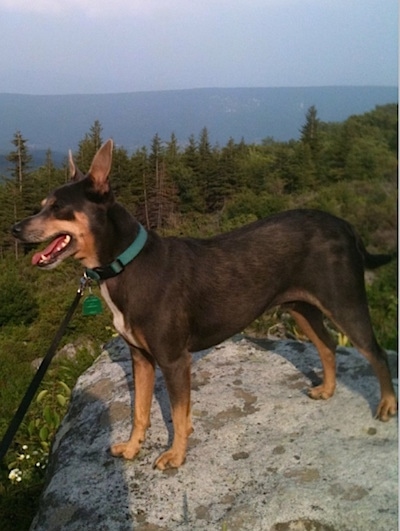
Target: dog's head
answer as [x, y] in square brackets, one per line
[69, 215]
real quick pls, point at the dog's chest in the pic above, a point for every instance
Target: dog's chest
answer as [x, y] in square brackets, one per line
[118, 319]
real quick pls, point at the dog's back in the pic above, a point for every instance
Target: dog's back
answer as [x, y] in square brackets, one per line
[227, 281]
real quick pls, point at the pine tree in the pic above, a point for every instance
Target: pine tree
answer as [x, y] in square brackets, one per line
[160, 192]
[191, 157]
[121, 174]
[229, 167]
[172, 150]
[18, 185]
[209, 177]
[139, 168]
[20, 159]
[187, 179]
[310, 130]
[310, 146]
[88, 146]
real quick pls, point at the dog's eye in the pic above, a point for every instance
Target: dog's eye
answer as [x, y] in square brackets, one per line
[61, 210]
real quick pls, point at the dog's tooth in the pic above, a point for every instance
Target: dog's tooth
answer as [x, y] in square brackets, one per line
[65, 241]
[61, 245]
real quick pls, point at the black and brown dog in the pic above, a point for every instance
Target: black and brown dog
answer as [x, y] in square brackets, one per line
[172, 296]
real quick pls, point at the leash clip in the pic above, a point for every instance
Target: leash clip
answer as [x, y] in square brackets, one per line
[85, 281]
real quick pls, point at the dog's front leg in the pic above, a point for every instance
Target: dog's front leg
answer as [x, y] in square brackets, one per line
[177, 378]
[144, 375]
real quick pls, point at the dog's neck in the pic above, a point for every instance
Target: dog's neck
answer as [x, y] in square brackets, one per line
[117, 234]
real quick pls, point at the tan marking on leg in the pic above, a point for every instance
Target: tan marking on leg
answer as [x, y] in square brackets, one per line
[388, 403]
[310, 320]
[177, 377]
[144, 375]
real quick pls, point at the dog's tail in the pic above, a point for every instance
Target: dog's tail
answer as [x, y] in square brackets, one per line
[372, 261]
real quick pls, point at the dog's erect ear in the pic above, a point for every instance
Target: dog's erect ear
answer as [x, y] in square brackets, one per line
[101, 167]
[75, 173]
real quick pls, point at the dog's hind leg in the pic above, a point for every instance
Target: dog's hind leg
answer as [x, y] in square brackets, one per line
[310, 320]
[354, 320]
[177, 378]
[144, 375]
[378, 358]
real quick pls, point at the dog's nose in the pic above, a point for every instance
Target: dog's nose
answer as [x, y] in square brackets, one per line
[16, 230]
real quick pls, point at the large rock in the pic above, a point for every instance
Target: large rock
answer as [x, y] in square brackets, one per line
[263, 456]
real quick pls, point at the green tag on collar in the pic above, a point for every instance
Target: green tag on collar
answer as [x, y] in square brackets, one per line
[92, 305]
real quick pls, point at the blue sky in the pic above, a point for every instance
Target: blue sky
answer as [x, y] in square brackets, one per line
[98, 46]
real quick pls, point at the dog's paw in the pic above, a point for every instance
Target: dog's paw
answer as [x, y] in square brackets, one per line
[320, 392]
[169, 459]
[387, 408]
[126, 450]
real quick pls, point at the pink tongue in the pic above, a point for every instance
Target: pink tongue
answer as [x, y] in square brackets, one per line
[49, 249]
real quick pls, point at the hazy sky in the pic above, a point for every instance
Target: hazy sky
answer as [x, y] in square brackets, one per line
[97, 46]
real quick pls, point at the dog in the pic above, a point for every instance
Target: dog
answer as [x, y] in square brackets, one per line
[173, 296]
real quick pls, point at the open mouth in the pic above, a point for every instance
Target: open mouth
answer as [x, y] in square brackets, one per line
[53, 252]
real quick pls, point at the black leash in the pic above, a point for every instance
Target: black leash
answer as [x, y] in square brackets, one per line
[33, 387]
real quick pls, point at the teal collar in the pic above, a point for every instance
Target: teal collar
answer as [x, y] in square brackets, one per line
[118, 265]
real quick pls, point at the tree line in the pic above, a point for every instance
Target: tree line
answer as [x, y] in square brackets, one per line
[173, 187]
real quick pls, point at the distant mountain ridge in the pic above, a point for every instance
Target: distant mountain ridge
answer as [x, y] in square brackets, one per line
[132, 119]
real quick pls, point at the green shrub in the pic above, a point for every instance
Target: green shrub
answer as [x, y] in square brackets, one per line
[18, 305]
[383, 303]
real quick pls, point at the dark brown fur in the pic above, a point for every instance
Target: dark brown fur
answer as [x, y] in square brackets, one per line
[181, 295]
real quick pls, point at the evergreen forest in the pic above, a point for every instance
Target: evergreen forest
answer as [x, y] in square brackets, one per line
[198, 189]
